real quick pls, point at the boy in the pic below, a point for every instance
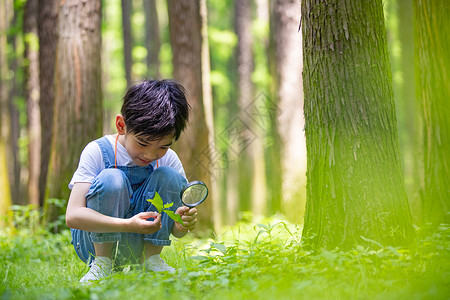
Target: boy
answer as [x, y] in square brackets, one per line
[118, 173]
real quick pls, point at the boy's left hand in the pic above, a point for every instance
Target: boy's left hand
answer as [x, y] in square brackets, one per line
[189, 217]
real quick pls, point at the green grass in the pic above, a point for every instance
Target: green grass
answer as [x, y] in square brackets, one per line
[265, 260]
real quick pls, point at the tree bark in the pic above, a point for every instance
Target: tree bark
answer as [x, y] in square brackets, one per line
[5, 191]
[13, 113]
[48, 37]
[401, 36]
[127, 39]
[289, 91]
[185, 25]
[78, 96]
[432, 20]
[242, 131]
[152, 40]
[355, 187]
[32, 96]
[250, 136]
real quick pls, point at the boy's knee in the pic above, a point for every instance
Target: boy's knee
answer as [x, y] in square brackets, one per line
[114, 178]
[169, 179]
[111, 181]
[169, 175]
[165, 172]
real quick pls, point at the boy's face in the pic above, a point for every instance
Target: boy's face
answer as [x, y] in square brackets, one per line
[144, 151]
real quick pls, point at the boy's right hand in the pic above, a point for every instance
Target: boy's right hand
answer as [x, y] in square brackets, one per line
[140, 224]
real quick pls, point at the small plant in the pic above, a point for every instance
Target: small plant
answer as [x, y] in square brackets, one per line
[161, 207]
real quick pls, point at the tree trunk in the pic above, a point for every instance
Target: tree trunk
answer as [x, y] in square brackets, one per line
[185, 25]
[215, 156]
[433, 77]
[78, 97]
[289, 91]
[48, 37]
[401, 36]
[152, 40]
[127, 39]
[32, 96]
[250, 136]
[355, 187]
[13, 112]
[5, 192]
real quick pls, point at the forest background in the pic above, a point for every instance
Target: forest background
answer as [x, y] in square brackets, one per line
[241, 62]
[320, 127]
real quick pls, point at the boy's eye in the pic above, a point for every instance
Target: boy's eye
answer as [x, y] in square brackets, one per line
[142, 144]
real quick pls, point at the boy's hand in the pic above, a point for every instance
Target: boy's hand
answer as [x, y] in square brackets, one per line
[189, 217]
[140, 224]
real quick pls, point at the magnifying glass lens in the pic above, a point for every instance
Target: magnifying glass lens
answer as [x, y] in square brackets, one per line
[194, 194]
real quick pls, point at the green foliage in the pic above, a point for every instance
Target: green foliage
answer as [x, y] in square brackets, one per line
[161, 207]
[249, 261]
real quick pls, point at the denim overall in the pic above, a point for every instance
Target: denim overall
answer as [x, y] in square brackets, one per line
[122, 192]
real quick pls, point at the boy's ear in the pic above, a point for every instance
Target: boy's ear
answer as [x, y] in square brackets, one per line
[120, 124]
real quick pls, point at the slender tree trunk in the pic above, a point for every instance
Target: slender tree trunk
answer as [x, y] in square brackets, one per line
[244, 87]
[5, 191]
[127, 39]
[399, 20]
[78, 96]
[214, 154]
[48, 37]
[251, 165]
[259, 110]
[185, 25]
[355, 185]
[32, 96]
[289, 88]
[14, 134]
[152, 40]
[433, 77]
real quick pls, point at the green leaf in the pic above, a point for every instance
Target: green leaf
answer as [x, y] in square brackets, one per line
[263, 226]
[221, 247]
[168, 205]
[174, 216]
[394, 251]
[372, 241]
[199, 257]
[157, 202]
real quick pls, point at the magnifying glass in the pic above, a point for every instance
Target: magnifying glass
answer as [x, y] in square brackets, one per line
[194, 193]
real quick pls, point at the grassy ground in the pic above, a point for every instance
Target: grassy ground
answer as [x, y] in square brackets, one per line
[264, 260]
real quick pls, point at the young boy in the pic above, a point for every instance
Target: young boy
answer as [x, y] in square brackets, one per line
[118, 173]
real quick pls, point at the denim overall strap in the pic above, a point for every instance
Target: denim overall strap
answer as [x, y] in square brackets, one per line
[107, 151]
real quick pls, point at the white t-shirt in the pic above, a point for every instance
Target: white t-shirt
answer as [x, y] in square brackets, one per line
[91, 161]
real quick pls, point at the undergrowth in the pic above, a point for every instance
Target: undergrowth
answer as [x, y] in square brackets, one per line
[259, 260]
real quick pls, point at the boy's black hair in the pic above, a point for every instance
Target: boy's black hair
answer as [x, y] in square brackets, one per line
[154, 109]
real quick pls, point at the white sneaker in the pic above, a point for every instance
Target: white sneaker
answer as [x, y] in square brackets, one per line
[156, 264]
[100, 268]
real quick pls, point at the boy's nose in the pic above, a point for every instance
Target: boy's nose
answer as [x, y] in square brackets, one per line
[150, 156]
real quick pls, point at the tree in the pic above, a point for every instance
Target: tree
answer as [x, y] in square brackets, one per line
[5, 192]
[48, 37]
[409, 124]
[355, 187]
[152, 40]
[78, 96]
[432, 20]
[127, 8]
[32, 95]
[14, 97]
[185, 24]
[244, 129]
[289, 91]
